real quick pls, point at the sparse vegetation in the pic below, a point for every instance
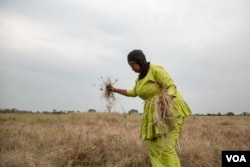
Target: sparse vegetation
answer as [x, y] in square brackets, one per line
[111, 140]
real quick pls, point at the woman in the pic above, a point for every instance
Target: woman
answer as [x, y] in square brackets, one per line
[151, 82]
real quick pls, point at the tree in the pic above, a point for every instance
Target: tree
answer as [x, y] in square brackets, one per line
[133, 111]
[91, 110]
[230, 114]
[245, 114]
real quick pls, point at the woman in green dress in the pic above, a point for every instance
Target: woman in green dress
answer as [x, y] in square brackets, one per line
[151, 82]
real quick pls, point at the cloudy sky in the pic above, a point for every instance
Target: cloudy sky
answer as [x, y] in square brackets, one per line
[53, 53]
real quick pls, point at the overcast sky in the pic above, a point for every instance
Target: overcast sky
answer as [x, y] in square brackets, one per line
[53, 53]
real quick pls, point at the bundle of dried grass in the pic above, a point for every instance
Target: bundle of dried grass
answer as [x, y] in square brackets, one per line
[108, 93]
[163, 115]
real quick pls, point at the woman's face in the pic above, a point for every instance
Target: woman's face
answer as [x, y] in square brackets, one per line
[135, 67]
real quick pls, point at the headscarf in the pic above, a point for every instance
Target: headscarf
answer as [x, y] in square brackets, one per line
[138, 57]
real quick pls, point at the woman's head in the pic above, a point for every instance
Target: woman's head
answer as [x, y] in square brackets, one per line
[138, 57]
[137, 61]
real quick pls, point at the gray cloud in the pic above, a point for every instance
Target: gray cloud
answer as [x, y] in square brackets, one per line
[53, 52]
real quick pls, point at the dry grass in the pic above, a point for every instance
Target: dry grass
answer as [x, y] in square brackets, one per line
[107, 86]
[204, 138]
[163, 116]
[111, 140]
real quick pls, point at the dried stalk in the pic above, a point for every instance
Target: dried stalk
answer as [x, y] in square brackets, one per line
[163, 115]
[108, 93]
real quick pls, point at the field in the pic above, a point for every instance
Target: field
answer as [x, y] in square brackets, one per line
[111, 140]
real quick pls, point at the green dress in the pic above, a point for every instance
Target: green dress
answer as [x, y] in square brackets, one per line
[162, 149]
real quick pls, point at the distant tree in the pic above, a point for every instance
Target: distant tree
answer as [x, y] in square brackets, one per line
[58, 112]
[91, 110]
[209, 114]
[132, 111]
[5, 110]
[13, 110]
[230, 114]
[245, 114]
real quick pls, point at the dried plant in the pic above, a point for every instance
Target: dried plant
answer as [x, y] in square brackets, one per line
[108, 94]
[163, 115]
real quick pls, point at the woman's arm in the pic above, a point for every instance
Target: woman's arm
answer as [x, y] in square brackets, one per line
[120, 91]
[125, 92]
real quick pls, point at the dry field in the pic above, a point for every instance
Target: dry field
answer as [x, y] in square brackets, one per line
[111, 140]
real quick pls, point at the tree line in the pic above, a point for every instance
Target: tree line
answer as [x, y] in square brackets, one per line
[54, 111]
[131, 111]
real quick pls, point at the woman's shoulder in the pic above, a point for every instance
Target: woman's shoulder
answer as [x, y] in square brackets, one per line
[155, 66]
[156, 69]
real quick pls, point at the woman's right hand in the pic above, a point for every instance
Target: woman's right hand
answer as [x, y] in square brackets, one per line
[111, 88]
